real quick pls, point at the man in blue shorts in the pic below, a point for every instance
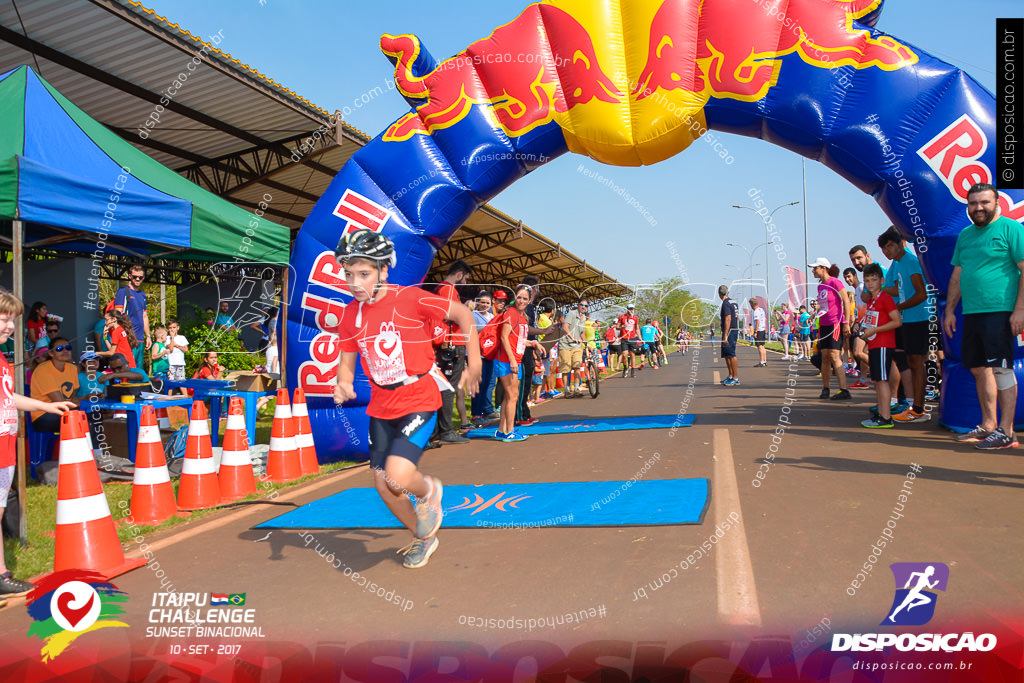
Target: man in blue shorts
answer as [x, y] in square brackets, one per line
[730, 316]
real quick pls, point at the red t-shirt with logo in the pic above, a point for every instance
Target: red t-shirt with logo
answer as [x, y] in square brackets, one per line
[452, 333]
[8, 415]
[630, 325]
[516, 338]
[876, 315]
[394, 341]
[119, 340]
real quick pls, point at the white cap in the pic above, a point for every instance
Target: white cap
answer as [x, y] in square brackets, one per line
[820, 261]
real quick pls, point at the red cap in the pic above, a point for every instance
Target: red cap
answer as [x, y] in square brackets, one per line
[500, 294]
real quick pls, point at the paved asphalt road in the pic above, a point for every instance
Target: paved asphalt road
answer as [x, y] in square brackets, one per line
[828, 491]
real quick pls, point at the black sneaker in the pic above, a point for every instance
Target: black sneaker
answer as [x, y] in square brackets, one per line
[842, 395]
[824, 393]
[877, 422]
[10, 586]
[979, 433]
[997, 439]
[452, 437]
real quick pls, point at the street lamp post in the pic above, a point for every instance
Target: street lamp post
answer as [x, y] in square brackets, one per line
[750, 258]
[767, 268]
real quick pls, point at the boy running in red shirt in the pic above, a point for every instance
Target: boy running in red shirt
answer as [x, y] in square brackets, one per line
[390, 328]
[880, 322]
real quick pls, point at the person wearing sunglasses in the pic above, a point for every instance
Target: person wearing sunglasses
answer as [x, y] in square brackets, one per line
[131, 301]
[54, 381]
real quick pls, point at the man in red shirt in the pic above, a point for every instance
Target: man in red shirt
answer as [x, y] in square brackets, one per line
[629, 326]
[451, 358]
[391, 329]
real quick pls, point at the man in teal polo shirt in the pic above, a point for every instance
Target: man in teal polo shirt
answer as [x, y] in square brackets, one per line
[906, 284]
[988, 264]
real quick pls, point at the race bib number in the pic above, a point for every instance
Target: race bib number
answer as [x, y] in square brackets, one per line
[871, 319]
[521, 345]
[384, 355]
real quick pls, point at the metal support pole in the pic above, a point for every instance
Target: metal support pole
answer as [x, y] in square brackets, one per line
[18, 284]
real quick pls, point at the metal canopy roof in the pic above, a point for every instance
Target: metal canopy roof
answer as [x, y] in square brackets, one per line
[232, 130]
[501, 251]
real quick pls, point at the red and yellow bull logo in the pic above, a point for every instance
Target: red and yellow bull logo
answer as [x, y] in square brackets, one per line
[627, 80]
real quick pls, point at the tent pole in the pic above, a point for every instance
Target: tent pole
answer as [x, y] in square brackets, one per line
[18, 275]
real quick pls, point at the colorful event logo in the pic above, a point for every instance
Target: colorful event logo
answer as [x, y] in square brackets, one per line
[914, 603]
[69, 604]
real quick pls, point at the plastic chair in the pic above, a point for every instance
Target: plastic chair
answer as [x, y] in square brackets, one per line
[40, 445]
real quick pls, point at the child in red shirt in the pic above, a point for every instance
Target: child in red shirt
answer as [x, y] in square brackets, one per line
[120, 337]
[880, 322]
[390, 329]
[10, 403]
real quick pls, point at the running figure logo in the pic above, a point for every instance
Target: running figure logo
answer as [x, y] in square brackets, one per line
[914, 604]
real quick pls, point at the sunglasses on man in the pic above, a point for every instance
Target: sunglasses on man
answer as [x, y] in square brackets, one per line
[62, 347]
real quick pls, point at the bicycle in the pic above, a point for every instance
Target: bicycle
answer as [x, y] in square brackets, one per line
[591, 373]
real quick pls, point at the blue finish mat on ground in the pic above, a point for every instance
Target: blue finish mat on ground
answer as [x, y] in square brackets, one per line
[593, 424]
[580, 503]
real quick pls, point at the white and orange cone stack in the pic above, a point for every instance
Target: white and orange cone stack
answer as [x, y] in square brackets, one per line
[199, 488]
[308, 463]
[236, 473]
[283, 459]
[152, 493]
[85, 536]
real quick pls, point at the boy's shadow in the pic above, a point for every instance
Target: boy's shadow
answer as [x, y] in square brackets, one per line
[325, 542]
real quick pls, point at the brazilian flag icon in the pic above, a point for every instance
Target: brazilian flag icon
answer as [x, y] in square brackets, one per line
[236, 599]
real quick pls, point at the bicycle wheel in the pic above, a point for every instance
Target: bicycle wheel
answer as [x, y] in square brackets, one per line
[594, 379]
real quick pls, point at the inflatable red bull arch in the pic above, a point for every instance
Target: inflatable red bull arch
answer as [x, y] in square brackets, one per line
[632, 82]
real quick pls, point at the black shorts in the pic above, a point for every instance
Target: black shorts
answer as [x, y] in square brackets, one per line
[404, 436]
[915, 338]
[987, 341]
[829, 337]
[729, 344]
[880, 359]
[899, 356]
[760, 338]
[898, 333]
[628, 345]
[615, 348]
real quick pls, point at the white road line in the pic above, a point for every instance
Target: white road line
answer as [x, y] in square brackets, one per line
[737, 593]
[717, 376]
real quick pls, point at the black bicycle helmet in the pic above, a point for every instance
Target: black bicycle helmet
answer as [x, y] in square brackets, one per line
[364, 243]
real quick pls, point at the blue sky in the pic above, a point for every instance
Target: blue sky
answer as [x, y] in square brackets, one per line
[328, 52]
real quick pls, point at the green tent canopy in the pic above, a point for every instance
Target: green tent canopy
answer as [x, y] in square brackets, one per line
[61, 170]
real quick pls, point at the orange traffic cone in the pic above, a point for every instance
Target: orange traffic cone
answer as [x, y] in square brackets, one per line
[198, 489]
[559, 384]
[308, 463]
[283, 460]
[163, 420]
[152, 493]
[85, 535]
[236, 476]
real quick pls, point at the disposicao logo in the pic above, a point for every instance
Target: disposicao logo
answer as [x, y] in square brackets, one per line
[919, 580]
[914, 605]
[69, 604]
